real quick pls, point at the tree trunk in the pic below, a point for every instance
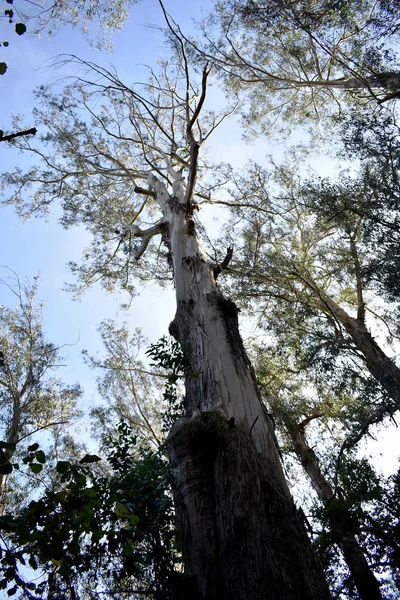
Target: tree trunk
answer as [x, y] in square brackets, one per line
[387, 81]
[378, 363]
[366, 583]
[12, 438]
[240, 534]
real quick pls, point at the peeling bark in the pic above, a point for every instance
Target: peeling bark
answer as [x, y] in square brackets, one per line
[363, 577]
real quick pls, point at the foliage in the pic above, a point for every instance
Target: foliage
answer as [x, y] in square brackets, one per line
[175, 358]
[31, 399]
[291, 61]
[20, 29]
[367, 506]
[129, 390]
[168, 354]
[110, 192]
[96, 19]
[93, 527]
[303, 275]
[368, 198]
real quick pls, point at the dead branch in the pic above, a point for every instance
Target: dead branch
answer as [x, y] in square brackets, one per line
[224, 264]
[11, 136]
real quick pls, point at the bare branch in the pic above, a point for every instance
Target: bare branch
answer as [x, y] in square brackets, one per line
[145, 234]
[224, 265]
[7, 138]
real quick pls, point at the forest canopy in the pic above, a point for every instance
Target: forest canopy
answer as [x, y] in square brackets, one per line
[239, 440]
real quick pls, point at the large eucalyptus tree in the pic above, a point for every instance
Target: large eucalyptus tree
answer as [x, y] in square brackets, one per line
[125, 161]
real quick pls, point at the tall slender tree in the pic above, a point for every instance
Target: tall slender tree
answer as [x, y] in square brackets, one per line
[297, 260]
[31, 400]
[129, 391]
[302, 416]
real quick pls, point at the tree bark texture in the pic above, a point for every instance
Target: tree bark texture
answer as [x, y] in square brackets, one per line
[239, 531]
[366, 583]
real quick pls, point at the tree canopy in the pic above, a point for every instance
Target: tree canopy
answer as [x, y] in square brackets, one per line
[311, 260]
[293, 62]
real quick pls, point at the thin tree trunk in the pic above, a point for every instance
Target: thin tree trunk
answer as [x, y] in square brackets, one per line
[378, 363]
[363, 577]
[240, 533]
[12, 438]
[388, 81]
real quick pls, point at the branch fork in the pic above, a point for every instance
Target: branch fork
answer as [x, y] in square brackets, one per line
[145, 234]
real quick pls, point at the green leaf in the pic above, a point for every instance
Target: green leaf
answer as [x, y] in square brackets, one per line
[8, 445]
[74, 548]
[9, 1]
[121, 510]
[36, 467]
[97, 535]
[5, 44]
[80, 480]
[20, 28]
[6, 468]
[133, 519]
[128, 549]
[86, 513]
[40, 456]
[90, 458]
[12, 591]
[62, 466]
[32, 563]
[33, 447]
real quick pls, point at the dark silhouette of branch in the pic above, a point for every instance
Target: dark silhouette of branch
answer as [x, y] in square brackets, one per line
[6, 138]
[224, 265]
